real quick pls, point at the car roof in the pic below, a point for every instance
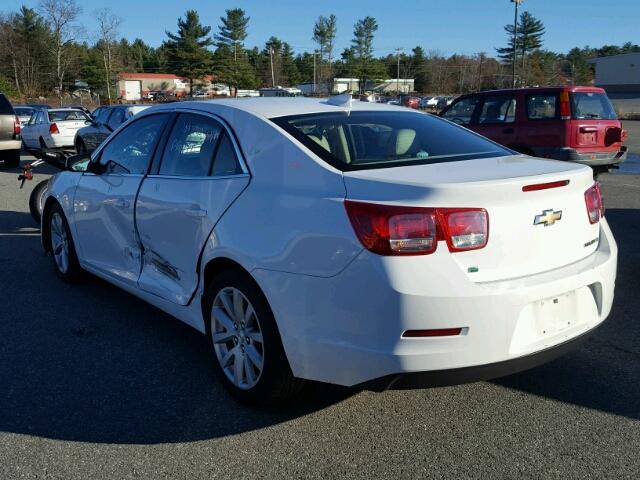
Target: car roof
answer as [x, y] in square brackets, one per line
[560, 88]
[65, 109]
[272, 107]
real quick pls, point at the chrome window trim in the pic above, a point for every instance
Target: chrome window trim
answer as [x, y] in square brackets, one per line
[207, 177]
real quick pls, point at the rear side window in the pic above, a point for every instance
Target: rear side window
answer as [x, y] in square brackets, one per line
[591, 106]
[191, 145]
[5, 106]
[498, 109]
[542, 107]
[226, 162]
[462, 112]
[381, 139]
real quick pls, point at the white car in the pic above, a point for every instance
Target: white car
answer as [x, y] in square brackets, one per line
[346, 242]
[53, 128]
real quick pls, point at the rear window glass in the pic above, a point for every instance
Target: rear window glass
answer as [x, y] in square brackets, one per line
[62, 115]
[361, 140]
[541, 107]
[5, 106]
[23, 111]
[589, 105]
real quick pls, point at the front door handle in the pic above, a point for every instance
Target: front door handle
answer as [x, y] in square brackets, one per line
[116, 202]
[195, 212]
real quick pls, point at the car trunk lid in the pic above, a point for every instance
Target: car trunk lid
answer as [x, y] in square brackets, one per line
[530, 231]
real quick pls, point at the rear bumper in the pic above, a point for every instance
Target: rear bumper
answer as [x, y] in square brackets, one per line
[592, 159]
[457, 376]
[348, 329]
[10, 145]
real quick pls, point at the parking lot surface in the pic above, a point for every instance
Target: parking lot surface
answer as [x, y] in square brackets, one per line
[95, 383]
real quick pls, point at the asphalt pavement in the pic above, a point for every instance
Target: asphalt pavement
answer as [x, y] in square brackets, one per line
[95, 383]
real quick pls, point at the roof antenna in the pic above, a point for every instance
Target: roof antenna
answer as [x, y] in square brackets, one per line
[342, 100]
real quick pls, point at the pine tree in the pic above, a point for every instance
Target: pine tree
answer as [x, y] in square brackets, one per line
[420, 66]
[231, 57]
[361, 52]
[187, 53]
[529, 39]
[324, 34]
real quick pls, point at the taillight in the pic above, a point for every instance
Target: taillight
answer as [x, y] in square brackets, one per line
[595, 206]
[16, 126]
[53, 128]
[395, 230]
[565, 106]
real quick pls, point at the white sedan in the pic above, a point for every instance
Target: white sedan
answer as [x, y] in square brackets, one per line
[346, 242]
[53, 128]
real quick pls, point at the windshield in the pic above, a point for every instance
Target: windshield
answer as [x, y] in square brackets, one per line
[379, 139]
[589, 105]
[23, 111]
[62, 115]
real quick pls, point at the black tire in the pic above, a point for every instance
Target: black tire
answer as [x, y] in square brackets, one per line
[36, 200]
[80, 147]
[73, 272]
[276, 384]
[11, 158]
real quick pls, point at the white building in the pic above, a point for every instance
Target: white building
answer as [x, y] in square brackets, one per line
[619, 75]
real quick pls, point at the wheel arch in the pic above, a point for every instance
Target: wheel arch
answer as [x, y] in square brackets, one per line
[44, 232]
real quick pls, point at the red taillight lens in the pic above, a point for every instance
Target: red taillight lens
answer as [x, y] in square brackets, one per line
[16, 126]
[395, 230]
[465, 229]
[53, 128]
[436, 332]
[595, 206]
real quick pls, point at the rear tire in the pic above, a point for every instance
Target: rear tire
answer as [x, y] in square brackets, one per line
[36, 200]
[11, 158]
[63, 251]
[246, 348]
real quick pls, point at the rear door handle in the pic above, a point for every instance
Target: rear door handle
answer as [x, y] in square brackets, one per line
[195, 212]
[116, 202]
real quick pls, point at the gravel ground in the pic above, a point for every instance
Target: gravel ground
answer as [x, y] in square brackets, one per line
[97, 384]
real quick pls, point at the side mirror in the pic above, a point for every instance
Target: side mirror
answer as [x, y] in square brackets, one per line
[95, 167]
[89, 122]
[78, 163]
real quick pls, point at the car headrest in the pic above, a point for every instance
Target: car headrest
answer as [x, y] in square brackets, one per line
[405, 137]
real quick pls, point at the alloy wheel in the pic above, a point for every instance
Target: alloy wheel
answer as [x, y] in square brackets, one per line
[237, 338]
[59, 242]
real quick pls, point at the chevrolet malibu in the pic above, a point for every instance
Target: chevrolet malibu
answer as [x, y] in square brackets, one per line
[354, 243]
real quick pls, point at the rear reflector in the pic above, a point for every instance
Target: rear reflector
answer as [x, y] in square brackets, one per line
[438, 332]
[544, 186]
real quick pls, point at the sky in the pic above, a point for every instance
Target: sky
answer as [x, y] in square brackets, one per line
[453, 26]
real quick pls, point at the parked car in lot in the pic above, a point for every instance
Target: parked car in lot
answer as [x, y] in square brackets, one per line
[571, 123]
[53, 128]
[267, 224]
[10, 130]
[410, 101]
[104, 121]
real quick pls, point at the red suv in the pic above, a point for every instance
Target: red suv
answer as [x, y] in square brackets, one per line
[565, 123]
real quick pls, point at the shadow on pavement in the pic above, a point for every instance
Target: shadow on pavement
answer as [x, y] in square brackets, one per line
[603, 374]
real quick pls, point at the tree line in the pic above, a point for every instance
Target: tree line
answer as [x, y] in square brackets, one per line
[44, 50]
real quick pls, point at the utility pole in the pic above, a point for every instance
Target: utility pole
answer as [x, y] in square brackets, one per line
[315, 52]
[398, 50]
[273, 78]
[515, 39]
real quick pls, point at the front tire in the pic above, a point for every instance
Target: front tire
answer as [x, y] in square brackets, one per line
[36, 200]
[63, 251]
[247, 351]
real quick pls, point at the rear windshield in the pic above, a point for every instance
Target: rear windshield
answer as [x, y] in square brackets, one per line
[62, 115]
[375, 139]
[23, 111]
[589, 105]
[5, 106]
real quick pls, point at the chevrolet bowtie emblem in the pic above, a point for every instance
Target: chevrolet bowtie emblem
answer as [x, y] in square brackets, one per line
[548, 217]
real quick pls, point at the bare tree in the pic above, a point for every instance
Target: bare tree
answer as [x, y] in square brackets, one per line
[108, 25]
[61, 15]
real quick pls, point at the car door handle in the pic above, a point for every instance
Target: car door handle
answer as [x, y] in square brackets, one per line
[195, 212]
[116, 202]
[508, 130]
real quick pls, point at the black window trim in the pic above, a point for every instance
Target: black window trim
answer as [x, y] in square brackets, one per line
[328, 157]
